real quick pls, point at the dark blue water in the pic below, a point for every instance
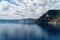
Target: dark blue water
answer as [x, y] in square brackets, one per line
[18, 31]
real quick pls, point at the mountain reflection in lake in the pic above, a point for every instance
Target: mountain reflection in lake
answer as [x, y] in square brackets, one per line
[11, 31]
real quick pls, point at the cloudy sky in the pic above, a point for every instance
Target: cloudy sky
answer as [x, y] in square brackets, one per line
[19, 9]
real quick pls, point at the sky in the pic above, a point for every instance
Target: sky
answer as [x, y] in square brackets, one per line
[20, 9]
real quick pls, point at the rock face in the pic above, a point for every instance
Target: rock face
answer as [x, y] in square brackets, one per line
[48, 16]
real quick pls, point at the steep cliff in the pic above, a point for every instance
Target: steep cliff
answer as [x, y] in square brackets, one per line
[49, 17]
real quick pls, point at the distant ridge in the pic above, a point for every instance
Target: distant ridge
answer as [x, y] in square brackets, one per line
[24, 21]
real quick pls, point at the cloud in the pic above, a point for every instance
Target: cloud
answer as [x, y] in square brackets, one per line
[19, 9]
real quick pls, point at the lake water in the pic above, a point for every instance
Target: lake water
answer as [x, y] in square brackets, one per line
[17, 31]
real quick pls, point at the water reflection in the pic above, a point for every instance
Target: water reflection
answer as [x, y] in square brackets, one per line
[53, 32]
[11, 31]
[51, 29]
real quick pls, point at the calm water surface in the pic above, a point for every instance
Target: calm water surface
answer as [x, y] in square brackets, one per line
[12, 31]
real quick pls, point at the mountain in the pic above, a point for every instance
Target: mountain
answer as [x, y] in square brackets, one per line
[22, 21]
[51, 17]
[27, 21]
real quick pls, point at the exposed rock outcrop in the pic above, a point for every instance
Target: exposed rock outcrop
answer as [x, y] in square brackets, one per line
[49, 17]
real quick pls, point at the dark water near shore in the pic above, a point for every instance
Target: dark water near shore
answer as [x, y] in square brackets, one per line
[18, 31]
